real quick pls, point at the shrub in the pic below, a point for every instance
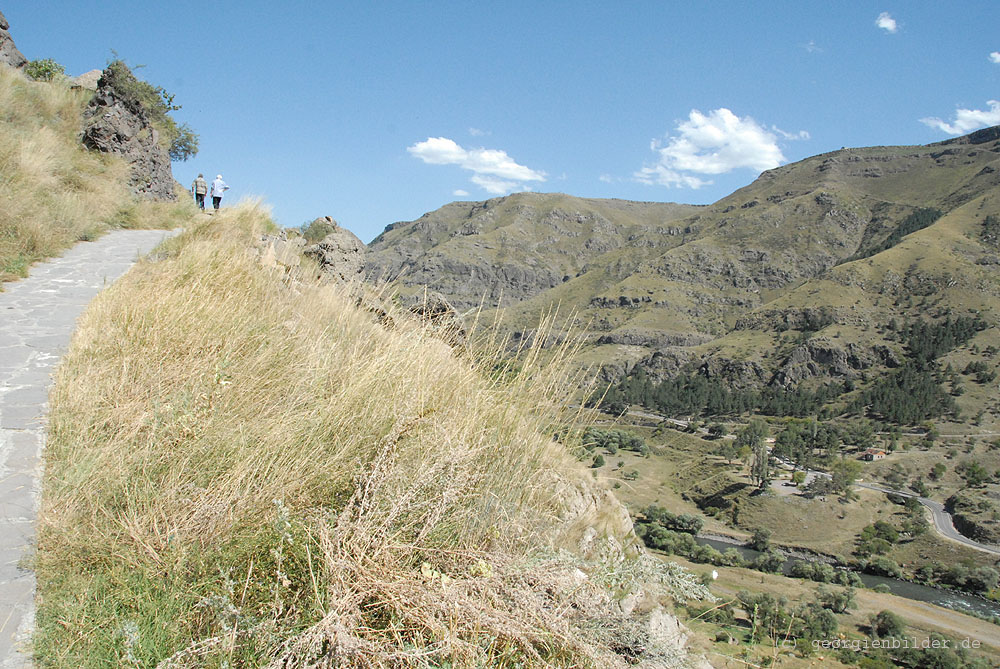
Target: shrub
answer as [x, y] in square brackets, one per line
[45, 69]
[887, 623]
[771, 562]
[315, 231]
[883, 566]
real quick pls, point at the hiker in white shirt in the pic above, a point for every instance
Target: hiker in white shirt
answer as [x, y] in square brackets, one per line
[218, 188]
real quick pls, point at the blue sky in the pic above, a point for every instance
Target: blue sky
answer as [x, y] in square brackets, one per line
[378, 112]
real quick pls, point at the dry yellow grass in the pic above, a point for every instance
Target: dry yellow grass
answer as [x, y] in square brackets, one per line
[253, 470]
[53, 192]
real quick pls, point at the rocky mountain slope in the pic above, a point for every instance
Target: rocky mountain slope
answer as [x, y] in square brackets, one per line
[790, 278]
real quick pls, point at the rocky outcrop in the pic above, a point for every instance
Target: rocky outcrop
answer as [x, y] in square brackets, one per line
[805, 319]
[87, 80]
[737, 374]
[340, 255]
[822, 357]
[433, 309]
[9, 55]
[972, 515]
[652, 338]
[121, 127]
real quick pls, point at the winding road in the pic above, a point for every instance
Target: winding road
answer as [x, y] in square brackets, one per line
[37, 318]
[942, 519]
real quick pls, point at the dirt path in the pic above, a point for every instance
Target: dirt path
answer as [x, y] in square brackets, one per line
[37, 318]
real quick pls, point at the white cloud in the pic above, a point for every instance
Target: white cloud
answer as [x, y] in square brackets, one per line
[967, 120]
[995, 57]
[811, 47]
[476, 132]
[715, 143]
[661, 175]
[460, 193]
[493, 170]
[606, 178]
[791, 136]
[886, 22]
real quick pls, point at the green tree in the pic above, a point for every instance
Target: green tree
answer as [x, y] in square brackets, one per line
[974, 473]
[843, 473]
[598, 461]
[727, 449]
[886, 623]
[838, 601]
[760, 468]
[760, 540]
[798, 477]
[754, 433]
[753, 437]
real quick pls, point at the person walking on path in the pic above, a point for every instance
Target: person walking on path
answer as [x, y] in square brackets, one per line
[218, 188]
[200, 189]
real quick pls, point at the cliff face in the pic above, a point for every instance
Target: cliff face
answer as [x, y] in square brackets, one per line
[116, 125]
[9, 55]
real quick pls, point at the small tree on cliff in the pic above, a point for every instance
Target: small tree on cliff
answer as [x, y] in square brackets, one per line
[180, 141]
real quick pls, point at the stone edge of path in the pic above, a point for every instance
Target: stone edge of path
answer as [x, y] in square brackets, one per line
[37, 317]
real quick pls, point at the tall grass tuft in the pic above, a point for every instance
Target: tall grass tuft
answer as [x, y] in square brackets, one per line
[53, 192]
[245, 470]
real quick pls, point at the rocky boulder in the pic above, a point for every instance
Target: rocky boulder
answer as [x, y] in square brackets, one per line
[9, 55]
[121, 127]
[340, 255]
[435, 310]
[87, 80]
[280, 251]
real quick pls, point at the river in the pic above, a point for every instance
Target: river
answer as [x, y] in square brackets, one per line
[956, 601]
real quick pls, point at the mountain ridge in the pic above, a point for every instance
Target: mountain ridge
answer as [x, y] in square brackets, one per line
[857, 235]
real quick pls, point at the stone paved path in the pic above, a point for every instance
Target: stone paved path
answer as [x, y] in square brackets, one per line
[37, 317]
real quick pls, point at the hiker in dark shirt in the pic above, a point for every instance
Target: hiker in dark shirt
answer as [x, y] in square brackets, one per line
[200, 188]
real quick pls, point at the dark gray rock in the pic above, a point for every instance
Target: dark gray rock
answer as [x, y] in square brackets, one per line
[434, 309]
[121, 128]
[9, 55]
[340, 255]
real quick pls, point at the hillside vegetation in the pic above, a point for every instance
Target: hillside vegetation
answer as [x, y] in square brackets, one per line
[249, 469]
[794, 280]
[54, 192]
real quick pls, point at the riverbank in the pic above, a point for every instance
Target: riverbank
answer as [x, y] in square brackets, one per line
[956, 600]
[922, 618]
